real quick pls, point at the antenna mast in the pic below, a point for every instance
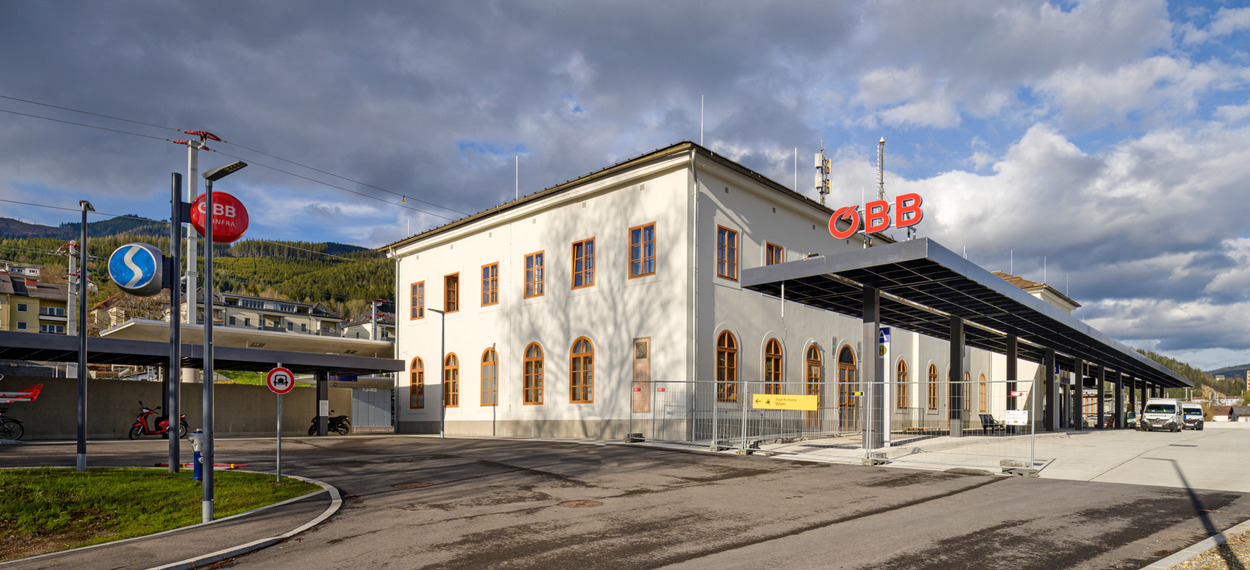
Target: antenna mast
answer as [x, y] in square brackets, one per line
[881, 169]
[822, 172]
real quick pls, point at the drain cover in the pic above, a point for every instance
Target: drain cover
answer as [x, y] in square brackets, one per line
[413, 485]
[581, 504]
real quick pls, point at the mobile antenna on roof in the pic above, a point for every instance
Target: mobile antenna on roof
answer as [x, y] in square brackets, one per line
[822, 172]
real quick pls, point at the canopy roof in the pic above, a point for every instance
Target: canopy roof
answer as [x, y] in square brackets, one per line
[923, 284]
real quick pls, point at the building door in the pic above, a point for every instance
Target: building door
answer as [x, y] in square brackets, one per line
[642, 376]
[848, 385]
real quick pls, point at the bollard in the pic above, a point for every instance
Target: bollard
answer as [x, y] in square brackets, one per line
[197, 440]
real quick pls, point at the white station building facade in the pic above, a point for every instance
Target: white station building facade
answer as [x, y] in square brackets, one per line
[560, 313]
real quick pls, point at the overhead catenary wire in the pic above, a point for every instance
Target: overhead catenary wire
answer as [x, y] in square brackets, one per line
[403, 197]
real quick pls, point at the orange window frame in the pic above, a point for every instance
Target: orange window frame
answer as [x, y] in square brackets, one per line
[933, 387]
[772, 366]
[416, 384]
[641, 251]
[773, 254]
[726, 367]
[582, 372]
[532, 387]
[490, 377]
[534, 263]
[451, 381]
[726, 253]
[583, 263]
[451, 293]
[900, 379]
[983, 390]
[490, 284]
[417, 299]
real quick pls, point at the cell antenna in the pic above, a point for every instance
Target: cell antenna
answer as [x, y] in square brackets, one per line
[822, 172]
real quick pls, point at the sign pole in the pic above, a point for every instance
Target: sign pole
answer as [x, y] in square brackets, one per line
[279, 460]
[280, 381]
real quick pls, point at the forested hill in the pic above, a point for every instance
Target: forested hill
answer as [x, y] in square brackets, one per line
[1231, 388]
[344, 277]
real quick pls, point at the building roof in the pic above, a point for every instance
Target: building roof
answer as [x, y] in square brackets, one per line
[658, 155]
[22, 286]
[314, 309]
[1033, 286]
[366, 317]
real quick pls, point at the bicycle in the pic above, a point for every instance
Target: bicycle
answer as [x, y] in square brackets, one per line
[10, 428]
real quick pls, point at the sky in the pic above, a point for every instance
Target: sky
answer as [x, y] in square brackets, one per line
[1101, 146]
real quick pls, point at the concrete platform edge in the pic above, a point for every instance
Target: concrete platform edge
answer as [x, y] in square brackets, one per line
[1199, 548]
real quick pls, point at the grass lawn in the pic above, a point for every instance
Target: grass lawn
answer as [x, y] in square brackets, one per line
[46, 510]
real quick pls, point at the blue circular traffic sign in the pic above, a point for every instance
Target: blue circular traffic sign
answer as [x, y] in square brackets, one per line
[136, 269]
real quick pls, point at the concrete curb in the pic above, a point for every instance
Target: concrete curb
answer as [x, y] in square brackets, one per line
[336, 502]
[1199, 549]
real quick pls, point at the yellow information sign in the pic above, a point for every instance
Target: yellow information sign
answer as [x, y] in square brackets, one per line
[785, 402]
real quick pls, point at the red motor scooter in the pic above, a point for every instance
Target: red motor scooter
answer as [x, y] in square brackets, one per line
[140, 426]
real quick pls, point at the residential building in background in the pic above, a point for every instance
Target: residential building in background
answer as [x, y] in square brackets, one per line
[27, 304]
[264, 314]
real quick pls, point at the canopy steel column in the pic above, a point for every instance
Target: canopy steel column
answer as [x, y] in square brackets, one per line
[1050, 408]
[1078, 394]
[1132, 396]
[1117, 415]
[323, 401]
[1145, 395]
[1101, 379]
[1013, 373]
[956, 400]
[874, 436]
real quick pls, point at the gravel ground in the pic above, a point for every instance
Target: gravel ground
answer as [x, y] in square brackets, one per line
[1234, 554]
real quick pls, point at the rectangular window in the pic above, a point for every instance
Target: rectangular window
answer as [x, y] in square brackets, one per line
[584, 263]
[247, 321]
[232, 321]
[418, 300]
[726, 253]
[303, 327]
[642, 250]
[774, 254]
[21, 325]
[490, 284]
[534, 275]
[451, 293]
[21, 307]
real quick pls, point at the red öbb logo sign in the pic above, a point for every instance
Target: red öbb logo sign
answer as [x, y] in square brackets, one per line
[229, 216]
[877, 216]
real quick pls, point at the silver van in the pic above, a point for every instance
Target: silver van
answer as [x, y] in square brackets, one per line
[1161, 414]
[1193, 416]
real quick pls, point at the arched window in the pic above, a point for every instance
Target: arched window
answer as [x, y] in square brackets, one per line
[726, 367]
[966, 391]
[847, 378]
[772, 366]
[933, 387]
[533, 388]
[451, 381]
[983, 391]
[813, 371]
[490, 377]
[416, 384]
[582, 372]
[900, 383]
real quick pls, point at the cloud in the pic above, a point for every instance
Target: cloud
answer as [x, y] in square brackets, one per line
[1225, 23]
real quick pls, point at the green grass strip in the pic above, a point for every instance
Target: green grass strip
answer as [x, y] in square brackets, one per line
[65, 508]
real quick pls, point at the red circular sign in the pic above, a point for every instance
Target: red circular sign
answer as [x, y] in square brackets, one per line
[280, 380]
[229, 216]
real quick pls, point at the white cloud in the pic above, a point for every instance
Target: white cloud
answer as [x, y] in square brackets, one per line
[1233, 113]
[1159, 86]
[1226, 22]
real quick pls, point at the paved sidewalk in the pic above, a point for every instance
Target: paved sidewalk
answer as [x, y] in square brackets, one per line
[197, 545]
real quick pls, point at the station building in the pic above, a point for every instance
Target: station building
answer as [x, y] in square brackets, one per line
[562, 313]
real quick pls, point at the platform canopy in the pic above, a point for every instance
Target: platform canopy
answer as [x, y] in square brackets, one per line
[923, 285]
[61, 348]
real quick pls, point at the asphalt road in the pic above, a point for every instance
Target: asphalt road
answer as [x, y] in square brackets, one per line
[421, 502]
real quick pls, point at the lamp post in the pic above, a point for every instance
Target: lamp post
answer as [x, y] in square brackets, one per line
[206, 454]
[442, 367]
[82, 336]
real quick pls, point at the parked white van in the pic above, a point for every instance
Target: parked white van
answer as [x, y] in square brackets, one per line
[1162, 414]
[1193, 416]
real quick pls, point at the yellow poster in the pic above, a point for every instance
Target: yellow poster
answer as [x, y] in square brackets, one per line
[785, 402]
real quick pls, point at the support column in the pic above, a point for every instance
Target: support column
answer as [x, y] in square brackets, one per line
[323, 401]
[1078, 393]
[1132, 397]
[1050, 411]
[1117, 414]
[1101, 379]
[1145, 395]
[874, 437]
[956, 400]
[1013, 374]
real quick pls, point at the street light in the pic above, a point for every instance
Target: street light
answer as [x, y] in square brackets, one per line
[82, 336]
[442, 374]
[206, 454]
